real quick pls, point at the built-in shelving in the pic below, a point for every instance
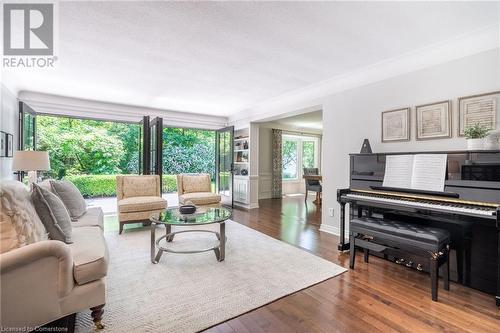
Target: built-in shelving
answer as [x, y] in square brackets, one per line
[241, 150]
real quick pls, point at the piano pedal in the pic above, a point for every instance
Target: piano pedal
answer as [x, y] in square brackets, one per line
[419, 267]
[400, 261]
[409, 263]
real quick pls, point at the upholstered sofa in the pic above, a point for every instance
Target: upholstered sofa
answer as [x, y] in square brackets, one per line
[49, 279]
[197, 189]
[138, 197]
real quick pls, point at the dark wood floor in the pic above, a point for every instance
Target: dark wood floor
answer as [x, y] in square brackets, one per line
[376, 297]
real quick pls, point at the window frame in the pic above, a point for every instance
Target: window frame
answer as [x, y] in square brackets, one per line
[300, 139]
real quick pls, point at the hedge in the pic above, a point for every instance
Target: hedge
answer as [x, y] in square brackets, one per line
[105, 185]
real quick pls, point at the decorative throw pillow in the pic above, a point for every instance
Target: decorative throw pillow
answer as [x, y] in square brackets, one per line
[19, 223]
[70, 196]
[196, 183]
[53, 214]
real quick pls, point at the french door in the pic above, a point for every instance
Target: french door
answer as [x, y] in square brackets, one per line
[151, 146]
[27, 131]
[27, 127]
[224, 163]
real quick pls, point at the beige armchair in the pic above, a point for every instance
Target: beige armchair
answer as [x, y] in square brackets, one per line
[197, 189]
[138, 197]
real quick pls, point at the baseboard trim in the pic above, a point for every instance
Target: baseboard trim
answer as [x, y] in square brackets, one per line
[332, 229]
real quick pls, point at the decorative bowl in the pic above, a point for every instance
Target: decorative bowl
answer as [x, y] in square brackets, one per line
[187, 209]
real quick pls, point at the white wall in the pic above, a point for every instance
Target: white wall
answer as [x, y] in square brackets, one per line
[9, 124]
[351, 116]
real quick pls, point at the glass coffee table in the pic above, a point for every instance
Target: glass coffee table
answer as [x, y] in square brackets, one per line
[202, 216]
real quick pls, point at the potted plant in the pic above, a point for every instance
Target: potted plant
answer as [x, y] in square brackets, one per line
[475, 136]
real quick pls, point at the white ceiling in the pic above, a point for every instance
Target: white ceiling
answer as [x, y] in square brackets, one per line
[306, 121]
[222, 57]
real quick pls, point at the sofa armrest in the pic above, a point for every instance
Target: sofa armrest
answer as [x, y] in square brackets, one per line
[26, 259]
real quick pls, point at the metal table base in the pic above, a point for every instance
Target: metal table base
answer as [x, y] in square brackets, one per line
[219, 249]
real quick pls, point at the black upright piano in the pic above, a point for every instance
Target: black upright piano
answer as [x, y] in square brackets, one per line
[469, 208]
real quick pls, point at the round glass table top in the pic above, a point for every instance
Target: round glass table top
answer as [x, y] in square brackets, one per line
[203, 215]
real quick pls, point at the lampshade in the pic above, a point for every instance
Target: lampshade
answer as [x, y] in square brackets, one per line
[28, 160]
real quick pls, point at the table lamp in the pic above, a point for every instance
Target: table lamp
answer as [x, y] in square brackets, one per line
[31, 161]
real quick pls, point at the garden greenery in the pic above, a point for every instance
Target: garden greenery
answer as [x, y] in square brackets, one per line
[91, 153]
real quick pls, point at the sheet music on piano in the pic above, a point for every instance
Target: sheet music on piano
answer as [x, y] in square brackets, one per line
[418, 172]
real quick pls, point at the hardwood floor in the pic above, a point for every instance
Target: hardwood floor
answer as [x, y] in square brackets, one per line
[376, 297]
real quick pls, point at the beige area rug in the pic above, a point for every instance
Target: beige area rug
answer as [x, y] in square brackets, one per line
[192, 292]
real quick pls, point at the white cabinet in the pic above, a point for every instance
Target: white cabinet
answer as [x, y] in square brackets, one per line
[241, 189]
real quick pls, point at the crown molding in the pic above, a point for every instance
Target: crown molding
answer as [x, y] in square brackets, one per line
[76, 107]
[481, 40]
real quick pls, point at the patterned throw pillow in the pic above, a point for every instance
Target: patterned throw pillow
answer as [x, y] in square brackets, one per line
[19, 223]
[70, 196]
[53, 213]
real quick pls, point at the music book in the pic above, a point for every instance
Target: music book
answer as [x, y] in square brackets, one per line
[418, 172]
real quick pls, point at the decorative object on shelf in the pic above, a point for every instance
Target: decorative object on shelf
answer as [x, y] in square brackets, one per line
[366, 148]
[10, 145]
[396, 125]
[245, 145]
[478, 109]
[475, 135]
[187, 209]
[244, 172]
[433, 120]
[3, 144]
[31, 161]
[492, 140]
[237, 144]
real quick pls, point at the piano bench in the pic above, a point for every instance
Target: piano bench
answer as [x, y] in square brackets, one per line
[422, 247]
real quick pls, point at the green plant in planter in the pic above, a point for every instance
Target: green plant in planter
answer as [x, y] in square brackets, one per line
[477, 131]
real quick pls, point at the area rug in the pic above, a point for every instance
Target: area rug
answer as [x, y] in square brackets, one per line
[192, 292]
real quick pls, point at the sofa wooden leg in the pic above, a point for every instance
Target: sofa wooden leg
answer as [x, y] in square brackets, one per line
[121, 228]
[96, 314]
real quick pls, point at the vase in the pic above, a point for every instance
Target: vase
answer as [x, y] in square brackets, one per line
[492, 141]
[475, 144]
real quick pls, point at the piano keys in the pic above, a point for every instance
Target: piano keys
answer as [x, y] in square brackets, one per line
[469, 207]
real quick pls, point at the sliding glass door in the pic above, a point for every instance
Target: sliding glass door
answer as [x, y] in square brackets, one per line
[224, 139]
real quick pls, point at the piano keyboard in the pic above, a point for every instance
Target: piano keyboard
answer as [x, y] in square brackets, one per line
[452, 207]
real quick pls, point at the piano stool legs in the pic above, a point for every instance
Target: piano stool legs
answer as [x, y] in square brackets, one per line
[435, 262]
[434, 278]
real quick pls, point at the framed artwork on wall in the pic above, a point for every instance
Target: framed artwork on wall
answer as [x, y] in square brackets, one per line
[3, 144]
[433, 120]
[396, 125]
[10, 145]
[478, 109]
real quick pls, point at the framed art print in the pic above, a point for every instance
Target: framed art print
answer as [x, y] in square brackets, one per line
[478, 109]
[396, 125]
[3, 144]
[433, 120]
[10, 145]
